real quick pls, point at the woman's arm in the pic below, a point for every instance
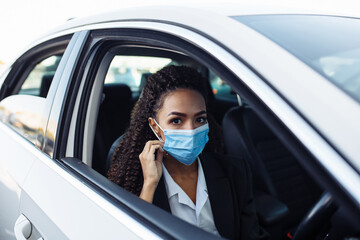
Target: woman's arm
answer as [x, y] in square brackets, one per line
[152, 168]
[147, 191]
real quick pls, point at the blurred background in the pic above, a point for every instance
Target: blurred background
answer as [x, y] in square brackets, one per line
[23, 21]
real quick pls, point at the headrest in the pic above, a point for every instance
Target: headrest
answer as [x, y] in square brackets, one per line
[256, 128]
[116, 91]
[253, 125]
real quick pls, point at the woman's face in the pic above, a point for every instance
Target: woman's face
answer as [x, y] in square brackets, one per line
[181, 109]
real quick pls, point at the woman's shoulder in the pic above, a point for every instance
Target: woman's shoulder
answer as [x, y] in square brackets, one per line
[229, 164]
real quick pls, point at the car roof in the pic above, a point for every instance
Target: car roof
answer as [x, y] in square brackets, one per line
[181, 13]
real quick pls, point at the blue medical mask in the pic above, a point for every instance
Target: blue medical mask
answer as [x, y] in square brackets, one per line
[184, 145]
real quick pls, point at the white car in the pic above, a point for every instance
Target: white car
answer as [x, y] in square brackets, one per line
[285, 87]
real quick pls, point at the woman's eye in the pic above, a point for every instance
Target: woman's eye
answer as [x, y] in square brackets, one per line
[175, 121]
[201, 120]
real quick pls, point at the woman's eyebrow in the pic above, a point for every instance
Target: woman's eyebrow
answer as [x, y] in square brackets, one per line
[183, 114]
[200, 113]
[177, 113]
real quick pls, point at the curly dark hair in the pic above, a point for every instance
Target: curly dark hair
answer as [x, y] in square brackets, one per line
[125, 169]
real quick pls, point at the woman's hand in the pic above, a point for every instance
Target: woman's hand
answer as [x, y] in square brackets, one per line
[151, 167]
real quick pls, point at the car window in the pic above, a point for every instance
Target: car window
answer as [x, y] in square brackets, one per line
[220, 88]
[125, 78]
[330, 47]
[38, 81]
[133, 70]
[25, 109]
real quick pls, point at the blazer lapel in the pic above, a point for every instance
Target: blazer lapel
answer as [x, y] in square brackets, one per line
[220, 196]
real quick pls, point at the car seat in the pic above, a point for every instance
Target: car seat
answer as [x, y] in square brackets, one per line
[275, 170]
[113, 119]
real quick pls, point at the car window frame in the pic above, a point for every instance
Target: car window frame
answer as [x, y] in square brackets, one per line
[20, 70]
[28, 91]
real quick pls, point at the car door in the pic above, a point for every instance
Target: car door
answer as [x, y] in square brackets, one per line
[266, 102]
[63, 198]
[26, 94]
[52, 204]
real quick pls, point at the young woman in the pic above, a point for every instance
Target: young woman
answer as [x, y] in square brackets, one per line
[161, 158]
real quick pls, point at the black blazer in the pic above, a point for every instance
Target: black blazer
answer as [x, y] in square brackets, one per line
[229, 187]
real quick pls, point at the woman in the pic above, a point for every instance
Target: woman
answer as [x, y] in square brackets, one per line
[159, 158]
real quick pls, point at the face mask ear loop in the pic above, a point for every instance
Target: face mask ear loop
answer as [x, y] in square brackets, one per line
[155, 132]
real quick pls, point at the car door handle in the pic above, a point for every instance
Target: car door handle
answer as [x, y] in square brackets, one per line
[23, 228]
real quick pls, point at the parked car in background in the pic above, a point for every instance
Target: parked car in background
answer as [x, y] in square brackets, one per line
[285, 86]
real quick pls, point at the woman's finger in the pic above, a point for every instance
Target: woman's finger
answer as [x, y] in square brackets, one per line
[159, 155]
[152, 142]
[153, 148]
[150, 153]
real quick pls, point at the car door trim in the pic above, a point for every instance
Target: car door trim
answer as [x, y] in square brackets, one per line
[143, 212]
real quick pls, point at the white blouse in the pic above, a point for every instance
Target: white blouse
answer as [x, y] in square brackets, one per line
[181, 205]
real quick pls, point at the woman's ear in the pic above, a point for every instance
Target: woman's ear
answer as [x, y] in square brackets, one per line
[154, 126]
[156, 129]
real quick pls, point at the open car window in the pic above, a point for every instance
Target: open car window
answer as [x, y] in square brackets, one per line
[124, 80]
[132, 70]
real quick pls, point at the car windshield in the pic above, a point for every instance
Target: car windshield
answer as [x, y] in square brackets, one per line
[330, 45]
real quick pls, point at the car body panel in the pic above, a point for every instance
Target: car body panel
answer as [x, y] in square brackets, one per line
[20, 153]
[63, 207]
[72, 54]
[14, 166]
[49, 189]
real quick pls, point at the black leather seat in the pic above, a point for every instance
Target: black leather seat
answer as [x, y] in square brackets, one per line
[116, 138]
[113, 119]
[275, 170]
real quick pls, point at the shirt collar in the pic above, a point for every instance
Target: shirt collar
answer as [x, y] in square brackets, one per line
[201, 184]
[172, 188]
